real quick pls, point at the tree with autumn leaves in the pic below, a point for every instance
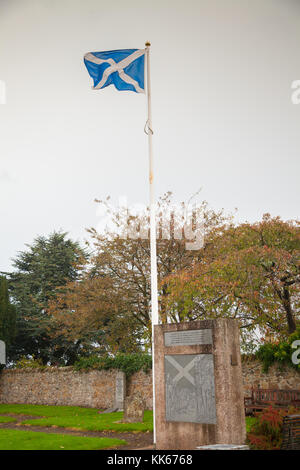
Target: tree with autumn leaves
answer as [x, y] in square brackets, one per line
[111, 304]
[249, 272]
[71, 304]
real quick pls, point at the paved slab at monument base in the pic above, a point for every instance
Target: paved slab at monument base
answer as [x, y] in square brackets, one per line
[198, 387]
[223, 447]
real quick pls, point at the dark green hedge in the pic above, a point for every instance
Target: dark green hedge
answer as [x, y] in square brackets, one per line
[280, 353]
[128, 363]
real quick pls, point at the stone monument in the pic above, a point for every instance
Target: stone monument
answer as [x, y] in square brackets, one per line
[199, 389]
[2, 352]
[134, 409]
[120, 390]
[120, 393]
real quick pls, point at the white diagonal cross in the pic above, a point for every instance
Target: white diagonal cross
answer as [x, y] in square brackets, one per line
[182, 371]
[117, 67]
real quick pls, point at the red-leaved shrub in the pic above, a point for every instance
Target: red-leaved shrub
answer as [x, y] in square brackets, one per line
[266, 432]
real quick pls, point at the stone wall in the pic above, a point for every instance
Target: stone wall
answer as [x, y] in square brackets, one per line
[96, 389]
[143, 383]
[278, 377]
[58, 386]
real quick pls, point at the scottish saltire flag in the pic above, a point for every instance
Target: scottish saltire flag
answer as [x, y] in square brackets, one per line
[123, 68]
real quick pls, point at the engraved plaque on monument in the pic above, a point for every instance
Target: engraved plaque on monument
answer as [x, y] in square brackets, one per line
[190, 388]
[188, 337]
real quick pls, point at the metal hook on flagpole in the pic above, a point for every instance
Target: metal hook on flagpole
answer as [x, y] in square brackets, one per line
[147, 128]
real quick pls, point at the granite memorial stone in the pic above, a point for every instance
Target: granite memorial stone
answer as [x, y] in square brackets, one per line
[134, 408]
[120, 392]
[2, 352]
[198, 388]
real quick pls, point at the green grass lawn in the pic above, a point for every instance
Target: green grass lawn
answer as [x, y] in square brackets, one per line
[250, 420]
[7, 419]
[73, 417]
[45, 410]
[69, 417]
[11, 439]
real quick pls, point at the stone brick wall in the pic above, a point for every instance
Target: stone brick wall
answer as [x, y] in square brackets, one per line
[143, 383]
[58, 386]
[283, 378]
[96, 389]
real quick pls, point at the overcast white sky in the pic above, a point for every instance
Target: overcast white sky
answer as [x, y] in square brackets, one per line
[223, 119]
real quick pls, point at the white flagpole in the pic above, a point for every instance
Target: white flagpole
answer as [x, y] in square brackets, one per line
[154, 295]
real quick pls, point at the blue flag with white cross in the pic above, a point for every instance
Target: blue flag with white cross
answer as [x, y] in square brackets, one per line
[123, 68]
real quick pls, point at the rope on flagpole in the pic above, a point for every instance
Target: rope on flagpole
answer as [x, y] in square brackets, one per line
[148, 129]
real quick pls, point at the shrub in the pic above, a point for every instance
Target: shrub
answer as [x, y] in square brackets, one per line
[266, 432]
[29, 363]
[281, 352]
[128, 363]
